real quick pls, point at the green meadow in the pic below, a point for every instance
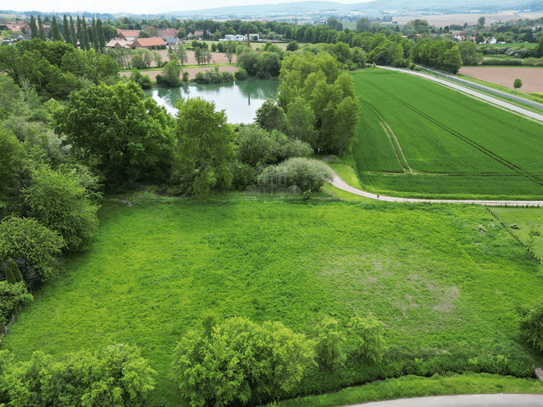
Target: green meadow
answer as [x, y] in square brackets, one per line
[444, 280]
[420, 139]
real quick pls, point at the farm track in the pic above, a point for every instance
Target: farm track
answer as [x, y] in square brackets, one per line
[340, 184]
[460, 136]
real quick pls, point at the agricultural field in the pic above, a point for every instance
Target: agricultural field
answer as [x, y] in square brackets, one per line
[443, 279]
[531, 76]
[419, 139]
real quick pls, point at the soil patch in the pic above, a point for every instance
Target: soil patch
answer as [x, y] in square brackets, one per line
[532, 78]
[218, 57]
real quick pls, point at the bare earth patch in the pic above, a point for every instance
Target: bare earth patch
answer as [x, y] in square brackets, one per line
[532, 78]
[191, 71]
[218, 57]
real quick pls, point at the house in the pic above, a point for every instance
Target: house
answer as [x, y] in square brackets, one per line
[200, 34]
[166, 32]
[234, 38]
[171, 41]
[490, 40]
[148, 43]
[190, 36]
[129, 35]
[119, 43]
[6, 42]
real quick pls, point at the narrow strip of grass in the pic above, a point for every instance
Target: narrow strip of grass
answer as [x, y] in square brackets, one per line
[415, 386]
[183, 66]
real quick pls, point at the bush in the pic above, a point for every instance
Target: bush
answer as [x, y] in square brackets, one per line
[412, 66]
[58, 201]
[115, 376]
[241, 74]
[11, 296]
[330, 343]
[366, 338]
[31, 277]
[497, 61]
[240, 361]
[25, 238]
[302, 172]
[214, 76]
[418, 68]
[531, 325]
[11, 154]
[244, 175]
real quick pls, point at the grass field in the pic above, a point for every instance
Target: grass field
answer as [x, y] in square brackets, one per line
[419, 139]
[439, 284]
[525, 218]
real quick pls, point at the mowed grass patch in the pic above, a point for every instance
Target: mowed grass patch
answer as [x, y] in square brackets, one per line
[415, 386]
[438, 283]
[457, 146]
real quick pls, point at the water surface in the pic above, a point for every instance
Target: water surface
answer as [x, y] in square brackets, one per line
[240, 99]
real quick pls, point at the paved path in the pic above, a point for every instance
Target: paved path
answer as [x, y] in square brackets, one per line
[469, 91]
[475, 400]
[339, 183]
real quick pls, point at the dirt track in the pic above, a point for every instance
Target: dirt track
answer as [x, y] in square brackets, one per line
[532, 78]
[191, 71]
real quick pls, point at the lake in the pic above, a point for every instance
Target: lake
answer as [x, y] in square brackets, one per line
[240, 99]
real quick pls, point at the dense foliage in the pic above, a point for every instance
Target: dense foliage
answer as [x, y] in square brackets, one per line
[443, 55]
[119, 135]
[110, 377]
[239, 360]
[531, 325]
[306, 174]
[11, 295]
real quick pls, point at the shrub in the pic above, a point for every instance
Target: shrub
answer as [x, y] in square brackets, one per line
[31, 277]
[11, 295]
[412, 66]
[244, 175]
[531, 325]
[10, 277]
[115, 376]
[418, 68]
[330, 340]
[302, 172]
[241, 74]
[16, 271]
[366, 338]
[25, 238]
[496, 61]
[57, 200]
[240, 361]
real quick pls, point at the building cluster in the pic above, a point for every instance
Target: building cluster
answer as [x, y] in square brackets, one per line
[20, 30]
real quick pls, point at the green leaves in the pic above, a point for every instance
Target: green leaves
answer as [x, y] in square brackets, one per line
[240, 360]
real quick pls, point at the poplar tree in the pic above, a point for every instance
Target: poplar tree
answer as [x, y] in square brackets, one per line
[54, 30]
[95, 42]
[73, 36]
[79, 33]
[10, 278]
[85, 35]
[100, 34]
[66, 29]
[41, 30]
[33, 28]
[16, 271]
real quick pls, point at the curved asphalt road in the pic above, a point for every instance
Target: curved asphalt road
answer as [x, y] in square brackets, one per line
[484, 97]
[339, 183]
[475, 400]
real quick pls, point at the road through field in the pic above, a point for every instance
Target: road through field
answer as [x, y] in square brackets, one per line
[339, 183]
[471, 92]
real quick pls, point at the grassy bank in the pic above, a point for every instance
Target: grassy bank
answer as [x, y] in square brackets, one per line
[415, 386]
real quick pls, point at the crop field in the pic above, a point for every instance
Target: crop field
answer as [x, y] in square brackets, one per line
[443, 279]
[416, 138]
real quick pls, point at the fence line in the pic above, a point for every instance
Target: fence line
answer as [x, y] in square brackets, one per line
[13, 318]
[484, 88]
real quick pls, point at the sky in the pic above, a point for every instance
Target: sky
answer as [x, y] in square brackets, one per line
[140, 6]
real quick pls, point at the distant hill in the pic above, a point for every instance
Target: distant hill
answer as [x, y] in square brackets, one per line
[372, 7]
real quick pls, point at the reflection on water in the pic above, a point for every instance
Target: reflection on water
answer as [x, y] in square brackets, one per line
[240, 99]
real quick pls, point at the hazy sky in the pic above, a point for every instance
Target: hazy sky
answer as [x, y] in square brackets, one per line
[139, 6]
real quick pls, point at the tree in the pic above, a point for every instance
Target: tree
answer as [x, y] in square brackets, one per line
[292, 46]
[12, 295]
[330, 340]
[41, 30]
[182, 55]
[203, 145]
[11, 154]
[366, 338]
[240, 361]
[335, 24]
[54, 30]
[33, 28]
[79, 33]
[58, 201]
[181, 34]
[144, 34]
[66, 30]
[345, 119]
[479, 39]
[469, 54]
[481, 21]
[230, 51]
[16, 272]
[73, 35]
[95, 43]
[158, 58]
[217, 35]
[199, 55]
[120, 136]
[270, 116]
[363, 25]
[25, 238]
[517, 84]
[10, 277]
[85, 35]
[170, 74]
[301, 121]
[538, 51]
[100, 35]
